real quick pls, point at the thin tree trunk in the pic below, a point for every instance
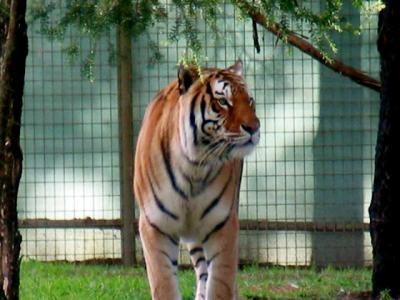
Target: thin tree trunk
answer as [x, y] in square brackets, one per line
[13, 52]
[125, 118]
[385, 204]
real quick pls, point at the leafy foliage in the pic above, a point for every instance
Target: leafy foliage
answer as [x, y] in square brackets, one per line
[92, 18]
[312, 19]
[95, 17]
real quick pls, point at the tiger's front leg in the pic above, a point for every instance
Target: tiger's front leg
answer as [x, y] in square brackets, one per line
[223, 257]
[160, 253]
[199, 262]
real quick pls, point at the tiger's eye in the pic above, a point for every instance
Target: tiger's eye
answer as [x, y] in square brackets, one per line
[223, 101]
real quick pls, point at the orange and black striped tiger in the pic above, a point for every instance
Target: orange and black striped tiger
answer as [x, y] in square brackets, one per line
[188, 167]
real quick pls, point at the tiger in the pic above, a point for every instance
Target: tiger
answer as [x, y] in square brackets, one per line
[187, 172]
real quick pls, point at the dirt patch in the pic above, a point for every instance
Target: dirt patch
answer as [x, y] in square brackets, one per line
[356, 296]
[283, 288]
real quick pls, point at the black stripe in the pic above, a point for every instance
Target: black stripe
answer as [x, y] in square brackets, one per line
[203, 116]
[216, 228]
[187, 178]
[205, 141]
[205, 179]
[210, 207]
[214, 144]
[199, 260]
[212, 258]
[203, 108]
[230, 148]
[209, 90]
[203, 276]
[220, 93]
[214, 107]
[214, 177]
[225, 84]
[161, 205]
[215, 201]
[193, 162]
[171, 175]
[174, 262]
[173, 241]
[195, 250]
[193, 120]
[239, 183]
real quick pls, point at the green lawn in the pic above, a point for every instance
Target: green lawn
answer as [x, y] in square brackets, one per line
[41, 281]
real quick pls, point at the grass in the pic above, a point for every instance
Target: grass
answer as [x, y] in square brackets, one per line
[42, 281]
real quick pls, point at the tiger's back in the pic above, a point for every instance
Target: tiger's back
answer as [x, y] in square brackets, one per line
[188, 167]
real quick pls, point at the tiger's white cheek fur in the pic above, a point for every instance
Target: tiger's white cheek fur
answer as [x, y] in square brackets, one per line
[221, 88]
[243, 151]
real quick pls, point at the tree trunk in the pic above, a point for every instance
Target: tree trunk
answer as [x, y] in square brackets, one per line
[13, 52]
[384, 210]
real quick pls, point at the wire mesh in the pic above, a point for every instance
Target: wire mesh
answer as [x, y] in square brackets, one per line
[70, 141]
[305, 190]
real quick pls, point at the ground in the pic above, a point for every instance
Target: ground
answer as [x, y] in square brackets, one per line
[104, 282]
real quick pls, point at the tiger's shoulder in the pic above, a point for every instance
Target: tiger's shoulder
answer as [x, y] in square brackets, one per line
[165, 100]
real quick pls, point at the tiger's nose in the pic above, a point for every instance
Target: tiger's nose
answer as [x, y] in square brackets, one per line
[251, 127]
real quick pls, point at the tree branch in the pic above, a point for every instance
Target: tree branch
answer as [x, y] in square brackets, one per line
[336, 65]
[255, 37]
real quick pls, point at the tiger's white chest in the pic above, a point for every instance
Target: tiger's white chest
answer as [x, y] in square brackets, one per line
[205, 205]
[190, 199]
[199, 217]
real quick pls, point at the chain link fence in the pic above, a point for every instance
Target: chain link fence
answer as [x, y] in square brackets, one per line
[305, 191]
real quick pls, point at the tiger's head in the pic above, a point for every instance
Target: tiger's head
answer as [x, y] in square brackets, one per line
[217, 113]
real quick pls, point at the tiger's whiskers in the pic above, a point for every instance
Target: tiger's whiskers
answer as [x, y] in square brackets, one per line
[210, 150]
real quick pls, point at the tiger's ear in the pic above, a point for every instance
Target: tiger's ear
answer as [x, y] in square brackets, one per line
[186, 77]
[237, 68]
